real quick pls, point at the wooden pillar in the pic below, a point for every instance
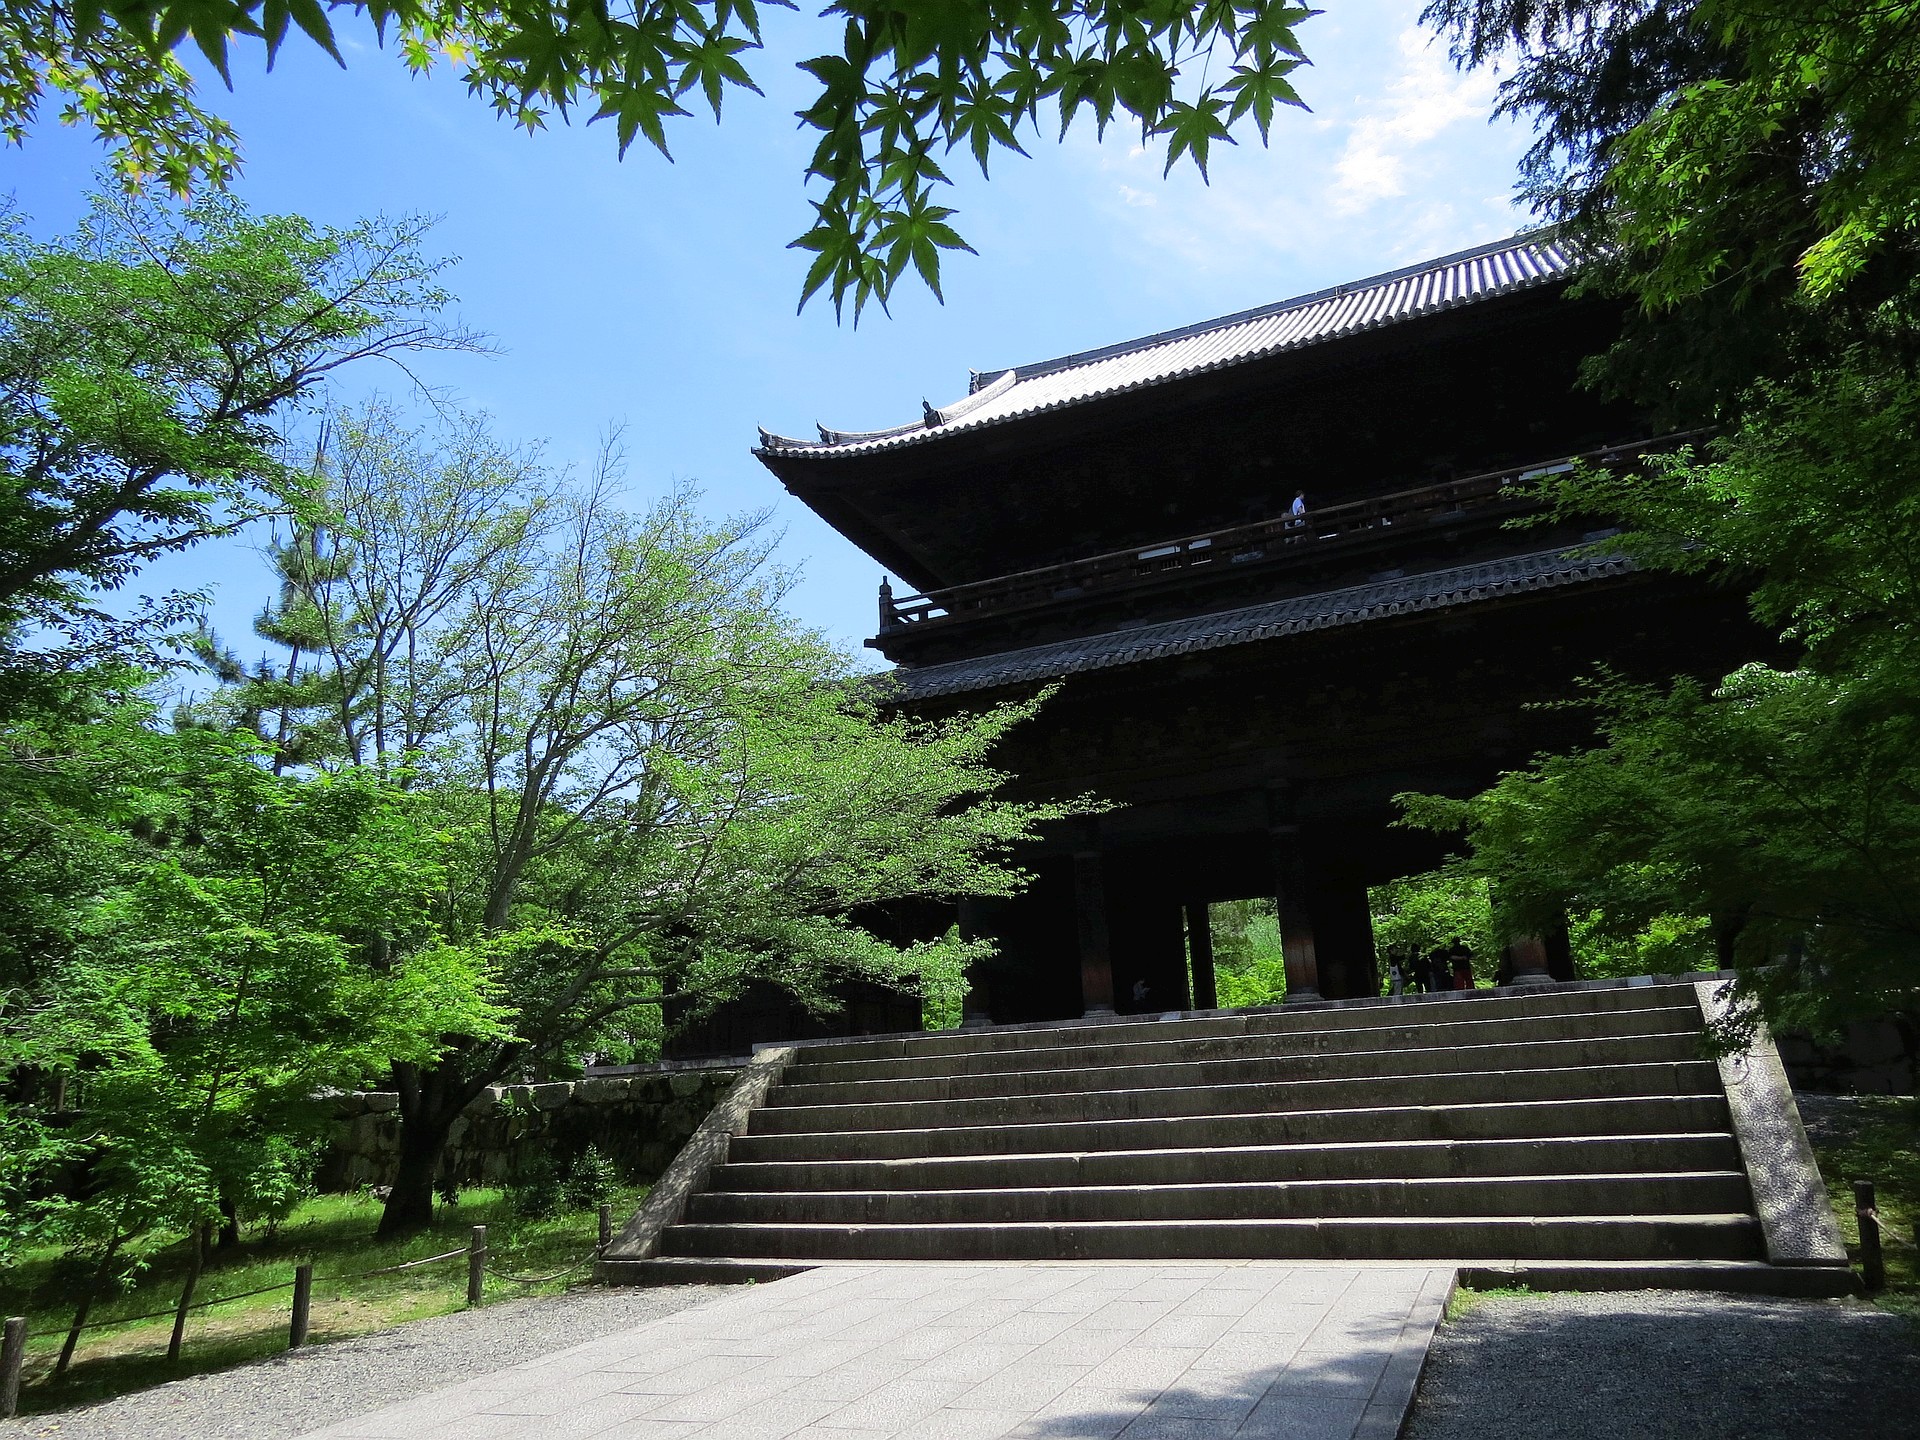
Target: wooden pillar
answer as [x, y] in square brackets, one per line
[1090, 923]
[1200, 956]
[1296, 924]
[1342, 924]
[974, 1006]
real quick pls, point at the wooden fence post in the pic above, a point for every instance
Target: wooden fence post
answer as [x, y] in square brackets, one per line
[302, 1305]
[13, 1354]
[476, 1265]
[1873, 1267]
[606, 1226]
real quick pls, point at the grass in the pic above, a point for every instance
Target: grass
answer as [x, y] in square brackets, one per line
[335, 1232]
[1881, 1143]
[1466, 1299]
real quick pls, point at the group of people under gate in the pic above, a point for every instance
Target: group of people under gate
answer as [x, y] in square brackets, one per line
[1450, 968]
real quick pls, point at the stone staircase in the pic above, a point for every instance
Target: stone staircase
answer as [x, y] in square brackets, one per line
[1569, 1136]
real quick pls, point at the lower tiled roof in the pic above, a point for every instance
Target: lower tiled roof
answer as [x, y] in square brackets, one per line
[1376, 600]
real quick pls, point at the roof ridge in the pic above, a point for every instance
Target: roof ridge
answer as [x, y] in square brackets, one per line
[1540, 235]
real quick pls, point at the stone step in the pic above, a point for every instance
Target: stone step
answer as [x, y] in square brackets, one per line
[1438, 1033]
[1587, 1237]
[1749, 1277]
[698, 1270]
[1746, 1277]
[1693, 1077]
[1226, 1165]
[1505, 1119]
[1449, 1007]
[1707, 1192]
[1168, 1074]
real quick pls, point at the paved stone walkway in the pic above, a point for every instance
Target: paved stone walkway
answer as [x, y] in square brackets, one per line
[972, 1352]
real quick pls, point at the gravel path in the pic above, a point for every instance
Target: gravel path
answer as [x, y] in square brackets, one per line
[1649, 1365]
[1829, 1119]
[292, 1394]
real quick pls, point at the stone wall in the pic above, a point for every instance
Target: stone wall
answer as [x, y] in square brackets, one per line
[639, 1121]
[1873, 1057]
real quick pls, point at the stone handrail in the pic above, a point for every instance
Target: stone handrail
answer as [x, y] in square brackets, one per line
[666, 1202]
[1796, 1220]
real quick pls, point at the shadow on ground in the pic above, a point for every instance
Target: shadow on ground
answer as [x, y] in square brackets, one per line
[1662, 1364]
[1268, 1386]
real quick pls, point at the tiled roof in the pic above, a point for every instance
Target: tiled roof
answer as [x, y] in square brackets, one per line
[1519, 263]
[1377, 600]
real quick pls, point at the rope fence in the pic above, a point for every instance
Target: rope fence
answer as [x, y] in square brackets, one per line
[13, 1336]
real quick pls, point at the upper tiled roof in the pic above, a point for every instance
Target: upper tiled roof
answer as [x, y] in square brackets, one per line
[1380, 599]
[1453, 280]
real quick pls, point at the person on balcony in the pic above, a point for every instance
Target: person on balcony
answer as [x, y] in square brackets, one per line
[1297, 513]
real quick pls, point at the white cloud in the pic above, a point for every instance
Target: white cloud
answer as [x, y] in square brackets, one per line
[1395, 162]
[1427, 98]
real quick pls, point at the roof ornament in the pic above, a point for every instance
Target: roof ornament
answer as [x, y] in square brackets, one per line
[932, 416]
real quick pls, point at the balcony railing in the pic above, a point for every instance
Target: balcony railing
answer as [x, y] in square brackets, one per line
[1285, 538]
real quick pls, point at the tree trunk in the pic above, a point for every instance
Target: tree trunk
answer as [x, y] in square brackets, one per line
[1726, 936]
[431, 1099]
[202, 1234]
[229, 1224]
[86, 1303]
[423, 1136]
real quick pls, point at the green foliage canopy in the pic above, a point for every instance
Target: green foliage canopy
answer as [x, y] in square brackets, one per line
[1743, 174]
[212, 986]
[144, 363]
[1743, 170]
[1249, 961]
[1780, 810]
[904, 84]
[664, 788]
[1419, 914]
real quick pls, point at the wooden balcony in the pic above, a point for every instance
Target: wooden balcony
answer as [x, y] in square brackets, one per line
[1288, 541]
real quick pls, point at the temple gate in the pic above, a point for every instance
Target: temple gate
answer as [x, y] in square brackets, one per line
[1274, 564]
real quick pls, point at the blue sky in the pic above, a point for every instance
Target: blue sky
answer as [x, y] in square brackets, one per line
[662, 296]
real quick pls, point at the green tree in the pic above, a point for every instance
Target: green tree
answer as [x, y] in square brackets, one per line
[254, 940]
[377, 593]
[63, 803]
[1771, 822]
[1743, 174]
[1741, 170]
[899, 88]
[1249, 962]
[143, 366]
[665, 788]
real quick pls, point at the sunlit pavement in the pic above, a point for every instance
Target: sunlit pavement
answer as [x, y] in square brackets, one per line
[974, 1351]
